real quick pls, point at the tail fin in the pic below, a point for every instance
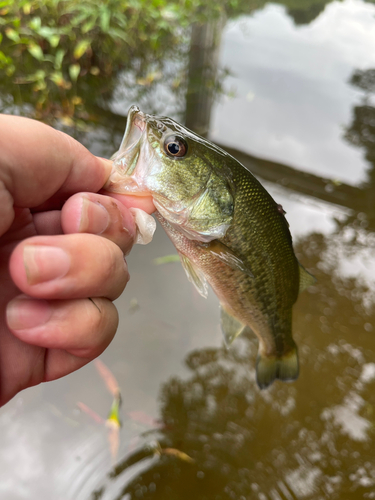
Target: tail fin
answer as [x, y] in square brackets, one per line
[270, 368]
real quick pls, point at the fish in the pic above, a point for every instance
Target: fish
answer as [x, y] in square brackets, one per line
[227, 229]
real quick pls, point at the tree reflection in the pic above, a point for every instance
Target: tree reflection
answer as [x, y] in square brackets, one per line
[361, 132]
[304, 12]
[310, 439]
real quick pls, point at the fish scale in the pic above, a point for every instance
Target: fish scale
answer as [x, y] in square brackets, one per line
[227, 229]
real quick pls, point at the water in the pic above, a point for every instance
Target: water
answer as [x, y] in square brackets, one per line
[291, 105]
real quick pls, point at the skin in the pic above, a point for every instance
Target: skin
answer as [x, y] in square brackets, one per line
[56, 308]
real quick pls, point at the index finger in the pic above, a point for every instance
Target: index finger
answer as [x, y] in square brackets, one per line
[38, 163]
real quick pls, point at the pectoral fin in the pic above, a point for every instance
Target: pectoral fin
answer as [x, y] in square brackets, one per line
[230, 326]
[305, 278]
[194, 275]
[227, 256]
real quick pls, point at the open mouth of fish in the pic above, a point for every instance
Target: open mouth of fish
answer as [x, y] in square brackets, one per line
[126, 178]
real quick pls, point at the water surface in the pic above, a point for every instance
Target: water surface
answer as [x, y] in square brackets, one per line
[297, 102]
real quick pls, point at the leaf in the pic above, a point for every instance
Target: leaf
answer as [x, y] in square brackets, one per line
[59, 58]
[54, 40]
[114, 413]
[78, 20]
[169, 14]
[74, 70]
[117, 33]
[158, 450]
[26, 8]
[49, 58]
[16, 22]
[67, 121]
[34, 77]
[12, 35]
[40, 85]
[81, 48]
[113, 424]
[105, 17]
[36, 51]
[25, 40]
[88, 26]
[40, 74]
[166, 259]
[150, 78]
[76, 100]
[5, 60]
[58, 79]
[108, 377]
[178, 454]
[35, 23]
[46, 31]
[10, 70]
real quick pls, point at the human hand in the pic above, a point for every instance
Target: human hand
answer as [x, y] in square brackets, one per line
[62, 249]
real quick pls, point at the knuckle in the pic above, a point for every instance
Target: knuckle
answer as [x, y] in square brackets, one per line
[104, 321]
[115, 273]
[97, 325]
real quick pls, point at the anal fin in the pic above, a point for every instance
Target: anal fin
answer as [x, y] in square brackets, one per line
[283, 368]
[230, 326]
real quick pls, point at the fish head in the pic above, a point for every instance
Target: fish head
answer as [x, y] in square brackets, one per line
[185, 175]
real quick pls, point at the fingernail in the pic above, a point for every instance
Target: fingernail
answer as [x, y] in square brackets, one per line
[44, 263]
[27, 313]
[94, 217]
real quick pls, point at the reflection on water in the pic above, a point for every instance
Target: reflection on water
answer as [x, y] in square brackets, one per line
[195, 424]
[311, 439]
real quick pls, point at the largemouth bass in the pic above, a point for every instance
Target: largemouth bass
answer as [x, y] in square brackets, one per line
[227, 229]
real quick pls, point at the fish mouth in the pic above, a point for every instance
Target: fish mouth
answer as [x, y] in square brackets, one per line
[126, 156]
[128, 173]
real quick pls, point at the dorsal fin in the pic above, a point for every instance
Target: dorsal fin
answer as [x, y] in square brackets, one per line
[305, 278]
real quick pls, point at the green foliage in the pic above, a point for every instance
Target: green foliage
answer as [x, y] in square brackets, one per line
[59, 58]
[57, 50]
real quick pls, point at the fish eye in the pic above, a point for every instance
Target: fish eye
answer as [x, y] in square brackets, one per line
[175, 146]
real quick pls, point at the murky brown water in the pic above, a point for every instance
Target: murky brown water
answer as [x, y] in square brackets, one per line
[301, 95]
